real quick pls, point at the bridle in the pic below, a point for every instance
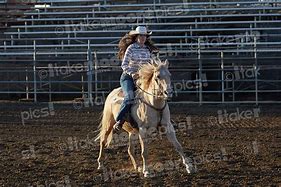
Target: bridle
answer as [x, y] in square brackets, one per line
[164, 97]
[160, 110]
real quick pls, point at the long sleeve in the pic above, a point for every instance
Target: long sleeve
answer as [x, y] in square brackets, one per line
[126, 60]
[134, 57]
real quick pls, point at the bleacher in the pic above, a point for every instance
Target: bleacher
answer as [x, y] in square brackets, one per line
[44, 42]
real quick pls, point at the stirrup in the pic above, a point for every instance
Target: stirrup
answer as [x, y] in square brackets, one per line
[118, 125]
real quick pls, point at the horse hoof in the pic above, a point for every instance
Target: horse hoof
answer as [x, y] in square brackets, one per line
[190, 169]
[100, 167]
[146, 174]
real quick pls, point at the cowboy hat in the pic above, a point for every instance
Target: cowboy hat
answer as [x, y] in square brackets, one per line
[140, 30]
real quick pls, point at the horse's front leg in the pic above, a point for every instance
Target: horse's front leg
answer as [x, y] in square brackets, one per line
[142, 137]
[171, 135]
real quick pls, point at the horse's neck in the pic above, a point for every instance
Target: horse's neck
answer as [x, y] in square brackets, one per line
[154, 101]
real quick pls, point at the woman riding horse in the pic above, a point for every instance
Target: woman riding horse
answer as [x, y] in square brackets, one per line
[150, 110]
[135, 49]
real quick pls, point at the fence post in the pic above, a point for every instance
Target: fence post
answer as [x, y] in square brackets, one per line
[26, 87]
[34, 72]
[96, 74]
[255, 67]
[50, 88]
[82, 85]
[200, 71]
[222, 77]
[233, 87]
[90, 74]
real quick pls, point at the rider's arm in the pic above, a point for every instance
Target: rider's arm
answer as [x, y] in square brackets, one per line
[127, 57]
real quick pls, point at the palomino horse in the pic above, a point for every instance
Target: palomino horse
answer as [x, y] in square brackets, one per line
[149, 110]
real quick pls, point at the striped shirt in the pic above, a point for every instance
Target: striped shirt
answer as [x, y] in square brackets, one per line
[135, 55]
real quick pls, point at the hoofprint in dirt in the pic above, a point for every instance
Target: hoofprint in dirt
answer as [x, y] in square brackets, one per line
[51, 144]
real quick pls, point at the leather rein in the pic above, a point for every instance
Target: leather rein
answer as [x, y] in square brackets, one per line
[160, 110]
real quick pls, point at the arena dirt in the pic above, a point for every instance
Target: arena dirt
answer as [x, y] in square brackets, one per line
[52, 145]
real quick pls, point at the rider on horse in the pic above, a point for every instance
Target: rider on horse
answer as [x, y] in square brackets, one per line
[135, 49]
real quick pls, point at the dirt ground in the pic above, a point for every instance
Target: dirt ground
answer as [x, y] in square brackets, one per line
[53, 145]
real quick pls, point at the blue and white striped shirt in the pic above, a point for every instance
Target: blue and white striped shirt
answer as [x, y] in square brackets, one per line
[135, 56]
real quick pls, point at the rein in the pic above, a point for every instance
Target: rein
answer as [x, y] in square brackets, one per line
[160, 110]
[148, 92]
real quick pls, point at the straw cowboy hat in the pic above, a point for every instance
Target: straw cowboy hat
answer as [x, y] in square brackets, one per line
[140, 30]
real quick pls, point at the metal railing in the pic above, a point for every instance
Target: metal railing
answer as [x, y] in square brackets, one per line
[167, 11]
[205, 67]
[100, 25]
[91, 84]
[32, 19]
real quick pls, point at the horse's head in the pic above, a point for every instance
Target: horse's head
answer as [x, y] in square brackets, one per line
[156, 78]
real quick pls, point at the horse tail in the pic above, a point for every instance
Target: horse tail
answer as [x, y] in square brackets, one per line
[107, 121]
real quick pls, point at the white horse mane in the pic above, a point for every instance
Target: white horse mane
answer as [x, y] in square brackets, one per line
[147, 71]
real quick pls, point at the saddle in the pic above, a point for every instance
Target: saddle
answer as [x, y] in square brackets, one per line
[128, 117]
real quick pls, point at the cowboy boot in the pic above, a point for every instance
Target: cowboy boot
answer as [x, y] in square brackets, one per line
[118, 125]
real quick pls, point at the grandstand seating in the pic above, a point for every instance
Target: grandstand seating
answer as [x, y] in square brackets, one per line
[206, 39]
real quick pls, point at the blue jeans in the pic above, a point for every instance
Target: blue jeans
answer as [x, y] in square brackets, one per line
[128, 87]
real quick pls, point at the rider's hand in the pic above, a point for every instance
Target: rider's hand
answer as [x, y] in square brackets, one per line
[135, 76]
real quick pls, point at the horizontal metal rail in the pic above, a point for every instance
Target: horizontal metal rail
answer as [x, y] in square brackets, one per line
[79, 92]
[213, 61]
[162, 45]
[153, 11]
[96, 25]
[155, 31]
[154, 37]
[116, 81]
[131, 17]
[160, 4]
[265, 50]
[66, 1]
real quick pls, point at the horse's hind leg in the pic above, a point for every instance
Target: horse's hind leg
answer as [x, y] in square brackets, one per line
[103, 142]
[131, 152]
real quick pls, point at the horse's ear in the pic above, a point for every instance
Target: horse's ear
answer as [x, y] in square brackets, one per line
[166, 63]
[154, 63]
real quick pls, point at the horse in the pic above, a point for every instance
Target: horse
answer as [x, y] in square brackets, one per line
[149, 110]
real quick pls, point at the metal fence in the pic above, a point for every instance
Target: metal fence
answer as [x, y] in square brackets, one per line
[216, 80]
[220, 52]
